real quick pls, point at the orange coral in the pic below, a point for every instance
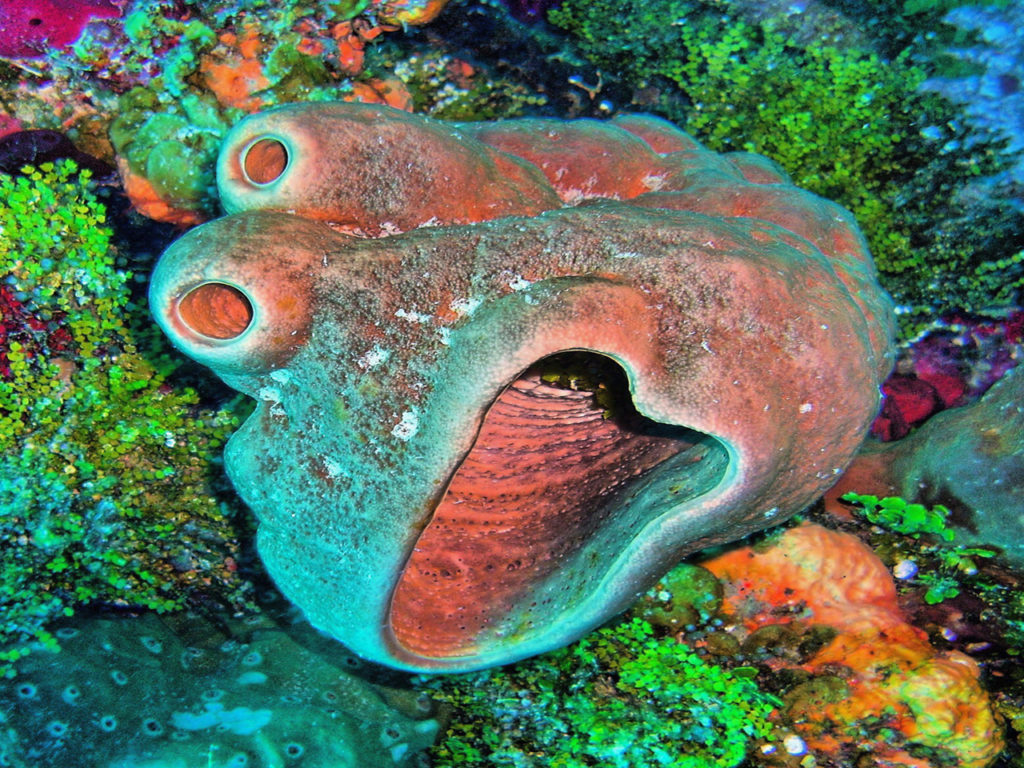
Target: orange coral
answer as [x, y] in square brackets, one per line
[411, 12]
[234, 72]
[820, 576]
[352, 37]
[382, 90]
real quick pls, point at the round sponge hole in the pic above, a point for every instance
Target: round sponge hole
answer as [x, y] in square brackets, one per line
[264, 161]
[217, 310]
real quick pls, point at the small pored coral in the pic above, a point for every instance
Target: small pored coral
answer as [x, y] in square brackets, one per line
[819, 576]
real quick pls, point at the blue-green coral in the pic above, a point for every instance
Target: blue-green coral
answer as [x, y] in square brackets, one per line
[173, 146]
[846, 122]
[106, 487]
[622, 696]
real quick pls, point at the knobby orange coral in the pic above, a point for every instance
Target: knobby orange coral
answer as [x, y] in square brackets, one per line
[932, 698]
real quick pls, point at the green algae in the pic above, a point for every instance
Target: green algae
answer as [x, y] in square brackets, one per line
[106, 492]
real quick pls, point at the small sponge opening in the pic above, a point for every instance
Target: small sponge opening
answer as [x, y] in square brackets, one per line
[265, 160]
[217, 310]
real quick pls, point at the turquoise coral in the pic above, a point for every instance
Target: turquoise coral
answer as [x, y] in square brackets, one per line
[172, 146]
[212, 689]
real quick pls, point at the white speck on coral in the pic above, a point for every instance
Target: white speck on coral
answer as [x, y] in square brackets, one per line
[905, 569]
[519, 283]
[240, 721]
[407, 426]
[653, 182]
[281, 375]
[373, 357]
[412, 317]
[806, 407]
[269, 394]
[465, 306]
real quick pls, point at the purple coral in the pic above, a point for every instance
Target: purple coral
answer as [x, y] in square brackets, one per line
[29, 27]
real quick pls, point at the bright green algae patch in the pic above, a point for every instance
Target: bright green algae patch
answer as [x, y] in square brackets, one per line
[622, 696]
[106, 488]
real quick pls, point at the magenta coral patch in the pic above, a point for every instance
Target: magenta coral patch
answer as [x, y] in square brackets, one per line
[29, 27]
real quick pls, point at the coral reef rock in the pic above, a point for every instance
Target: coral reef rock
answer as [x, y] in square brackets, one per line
[991, 89]
[971, 459]
[508, 374]
[184, 691]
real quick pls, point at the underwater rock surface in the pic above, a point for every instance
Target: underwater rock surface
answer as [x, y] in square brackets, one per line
[971, 458]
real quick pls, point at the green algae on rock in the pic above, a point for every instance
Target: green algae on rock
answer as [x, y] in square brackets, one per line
[845, 121]
[105, 492]
[621, 697]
